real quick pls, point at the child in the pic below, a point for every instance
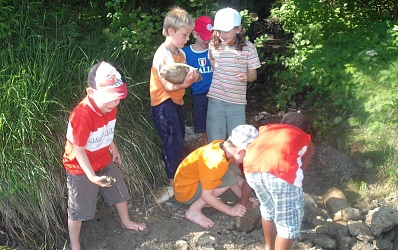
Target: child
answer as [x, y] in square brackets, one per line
[90, 153]
[273, 167]
[166, 97]
[234, 62]
[204, 175]
[197, 56]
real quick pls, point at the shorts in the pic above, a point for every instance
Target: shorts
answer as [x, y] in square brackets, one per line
[222, 117]
[200, 112]
[82, 193]
[280, 202]
[229, 179]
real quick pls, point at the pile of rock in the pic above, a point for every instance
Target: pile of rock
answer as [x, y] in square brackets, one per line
[336, 225]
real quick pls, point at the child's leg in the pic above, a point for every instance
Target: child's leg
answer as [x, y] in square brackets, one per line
[272, 240]
[82, 198]
[194, 214]
[74, 227]
[205, 140]
[236, 115]
[122, 210]
[200, 102]
[216, 120]
[269, 230]
[118, 195]
[169, 121]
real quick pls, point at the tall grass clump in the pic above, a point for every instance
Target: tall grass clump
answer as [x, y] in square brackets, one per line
[43, 75]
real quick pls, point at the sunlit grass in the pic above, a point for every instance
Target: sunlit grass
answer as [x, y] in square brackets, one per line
[43, 79]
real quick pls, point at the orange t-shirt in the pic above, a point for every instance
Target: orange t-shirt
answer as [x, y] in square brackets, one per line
[207, 165]
[157, 92]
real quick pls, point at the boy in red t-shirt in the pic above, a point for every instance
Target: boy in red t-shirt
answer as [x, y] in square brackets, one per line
[90, 153]
[273, 167]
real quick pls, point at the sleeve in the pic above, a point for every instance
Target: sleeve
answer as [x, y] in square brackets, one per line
[253, 60]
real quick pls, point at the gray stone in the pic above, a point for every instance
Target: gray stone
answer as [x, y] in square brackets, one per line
[251, 220]
[332, 228]
[381, 220]
[361, 245]
[344, 242]
[360, 230]
[383, 244]
[206, 240]
[324, 241]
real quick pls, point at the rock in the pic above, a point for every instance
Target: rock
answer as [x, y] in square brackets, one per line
[347, 214]
[361, 245]
[381, 220]
[335, 200]
[332, 228]
[163, 194]
[207, 241]
[324, 241]
[251, 220]
[176, 72]
[360, 230]
[182, 245]
[344, 242]
[383, 244]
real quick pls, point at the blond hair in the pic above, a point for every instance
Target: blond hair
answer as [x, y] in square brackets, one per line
[175, 19]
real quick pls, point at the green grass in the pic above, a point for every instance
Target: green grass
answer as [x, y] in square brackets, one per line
[43, 78]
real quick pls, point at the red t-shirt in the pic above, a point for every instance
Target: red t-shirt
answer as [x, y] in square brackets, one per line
[278, 149]
[89, 127]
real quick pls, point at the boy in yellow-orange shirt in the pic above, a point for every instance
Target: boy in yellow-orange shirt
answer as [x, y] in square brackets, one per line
[166, 97]
[204, 175]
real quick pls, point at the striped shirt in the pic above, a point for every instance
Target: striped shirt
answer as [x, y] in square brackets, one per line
[228, 62]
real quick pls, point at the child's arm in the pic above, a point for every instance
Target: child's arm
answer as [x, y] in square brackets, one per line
[209, 197]
[307, 156]
[190, 78]
[85, 164]
[250, 76]
[115, 154]
[246, 192]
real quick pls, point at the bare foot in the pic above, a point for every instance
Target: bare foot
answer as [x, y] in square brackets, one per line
[134, 226]
[199, 219]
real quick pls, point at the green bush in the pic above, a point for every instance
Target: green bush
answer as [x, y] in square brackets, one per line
[342, 58]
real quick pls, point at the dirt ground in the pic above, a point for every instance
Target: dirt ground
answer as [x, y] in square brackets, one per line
[167, 227]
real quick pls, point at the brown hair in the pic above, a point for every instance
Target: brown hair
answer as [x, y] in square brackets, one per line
[240, 41]
[296, 119]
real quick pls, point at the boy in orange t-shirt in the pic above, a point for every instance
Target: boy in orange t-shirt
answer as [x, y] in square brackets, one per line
[205, 174]
[166, 97]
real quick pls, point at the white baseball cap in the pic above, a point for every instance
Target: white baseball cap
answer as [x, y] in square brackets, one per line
[226, 19]
[243, 135]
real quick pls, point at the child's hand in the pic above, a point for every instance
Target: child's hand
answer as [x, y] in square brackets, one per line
[238, 210]
[101, 181]
[242, 77]
[115, 154]
[254, 202]
[190, 78]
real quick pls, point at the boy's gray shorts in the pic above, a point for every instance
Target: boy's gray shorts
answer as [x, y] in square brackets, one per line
[229, 179]
[82, 193]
